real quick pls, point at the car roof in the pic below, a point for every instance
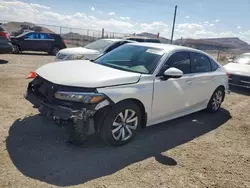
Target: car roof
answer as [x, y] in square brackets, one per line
[119, 40]
[168, 47]
[115, 40]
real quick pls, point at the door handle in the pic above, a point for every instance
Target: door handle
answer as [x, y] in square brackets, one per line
[189, 81]
[214, 78]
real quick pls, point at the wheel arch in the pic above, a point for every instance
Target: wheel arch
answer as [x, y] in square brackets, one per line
[224, 89]
[101, 114]
[19, 46]
[142, 109]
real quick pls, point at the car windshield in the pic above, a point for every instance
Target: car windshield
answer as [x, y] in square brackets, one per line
[99, 45]
[243, 59]
[132, 58]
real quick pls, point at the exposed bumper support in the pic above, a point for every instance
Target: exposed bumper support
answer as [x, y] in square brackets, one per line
[79, 123]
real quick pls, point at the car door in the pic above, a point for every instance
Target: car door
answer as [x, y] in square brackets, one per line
[46, 42]
[30, 42]
[173, 96]
[202, 78]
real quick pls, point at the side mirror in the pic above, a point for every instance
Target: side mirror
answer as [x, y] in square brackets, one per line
[172, 73]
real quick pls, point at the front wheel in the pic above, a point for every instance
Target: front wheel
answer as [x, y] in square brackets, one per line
[216, 100]
[54, 50]
[16, 49]
[120, 125]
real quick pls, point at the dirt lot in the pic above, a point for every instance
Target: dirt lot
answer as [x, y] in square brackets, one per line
[200, 150]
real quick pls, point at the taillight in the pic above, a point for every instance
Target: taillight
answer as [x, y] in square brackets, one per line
[31, 75]
[5, 35]
[63, 41]
[228, 74]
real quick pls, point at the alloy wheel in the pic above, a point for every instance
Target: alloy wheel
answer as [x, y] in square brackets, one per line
[217, 100]
[124, 125]
[55, 50]
[15, 49]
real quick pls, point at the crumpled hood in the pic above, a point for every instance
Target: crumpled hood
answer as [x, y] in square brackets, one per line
[236, 68]
[77, 51]
[83, 73]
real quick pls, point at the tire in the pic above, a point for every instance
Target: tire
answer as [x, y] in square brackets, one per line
[120, 124]
[216, 100]
[16, 49]
[54, 50]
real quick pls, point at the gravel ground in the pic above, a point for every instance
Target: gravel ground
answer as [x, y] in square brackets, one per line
[199, 150]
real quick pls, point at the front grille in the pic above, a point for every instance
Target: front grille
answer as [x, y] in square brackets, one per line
[45, 90]
[239, 80]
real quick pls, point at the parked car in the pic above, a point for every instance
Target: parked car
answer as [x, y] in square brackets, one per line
[143, 39]
[134, 85]
[5, 44]
[90, 51]
[35, 41]
[239, 70]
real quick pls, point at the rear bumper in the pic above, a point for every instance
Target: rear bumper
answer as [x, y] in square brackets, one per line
[240, 81]
[6, 48]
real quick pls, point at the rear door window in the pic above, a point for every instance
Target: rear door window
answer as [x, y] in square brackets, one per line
[45, 36]
[199, 63]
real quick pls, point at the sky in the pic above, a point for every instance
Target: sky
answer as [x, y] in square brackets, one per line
[195, 18]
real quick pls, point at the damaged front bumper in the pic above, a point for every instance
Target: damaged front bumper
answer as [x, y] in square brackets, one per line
[79, 122]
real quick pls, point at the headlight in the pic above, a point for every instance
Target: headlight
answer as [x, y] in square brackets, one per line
[88, 98]
[75, 57]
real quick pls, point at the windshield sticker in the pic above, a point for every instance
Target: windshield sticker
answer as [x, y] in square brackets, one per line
[154, 51]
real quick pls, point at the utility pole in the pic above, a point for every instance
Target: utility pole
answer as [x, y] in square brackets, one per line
[172, 35]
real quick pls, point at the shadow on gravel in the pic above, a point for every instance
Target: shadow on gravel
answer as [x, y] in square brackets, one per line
[3, 61]
[38, 149]
[240, 90]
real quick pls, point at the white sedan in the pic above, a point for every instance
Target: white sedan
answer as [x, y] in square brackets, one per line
[239, 70]
[90, 51]
[135, 85]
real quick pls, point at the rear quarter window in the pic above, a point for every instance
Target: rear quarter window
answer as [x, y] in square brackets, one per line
[214, 65]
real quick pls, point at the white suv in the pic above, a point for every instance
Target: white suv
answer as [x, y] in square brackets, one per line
[90, 51]
[135, 85]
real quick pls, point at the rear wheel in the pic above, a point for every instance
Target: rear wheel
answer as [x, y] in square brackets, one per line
[16, 49]
[120, 125]
[216, 100]
[54, 50]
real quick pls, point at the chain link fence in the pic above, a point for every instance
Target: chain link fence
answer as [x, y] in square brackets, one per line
[72, 36]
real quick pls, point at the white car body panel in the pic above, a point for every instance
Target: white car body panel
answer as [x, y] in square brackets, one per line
[83, 73]
[88, 53]
[162, 99]
[237, 68]
[154, 93]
